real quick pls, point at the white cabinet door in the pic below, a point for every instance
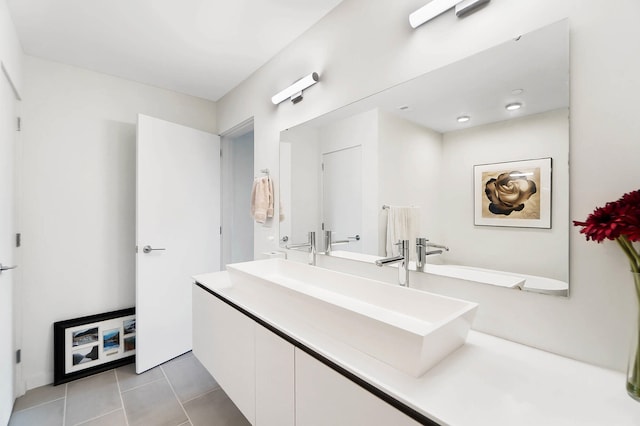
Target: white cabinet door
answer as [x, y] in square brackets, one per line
[177, 220]
[203, 323]
[275, 396]
[324, 397]
[224, 342]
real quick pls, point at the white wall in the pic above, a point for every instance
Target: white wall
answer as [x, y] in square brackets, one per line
[410, 173]
[77, 195]
[10, 49]
[300, 182]
[364, 46]
[537, 136]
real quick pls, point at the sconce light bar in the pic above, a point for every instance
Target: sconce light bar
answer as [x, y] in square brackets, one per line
[466, 7]
[437, 7]
[295, 90]
[430, 11]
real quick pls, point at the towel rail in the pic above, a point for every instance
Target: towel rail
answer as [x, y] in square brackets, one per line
[264, 172]
[387, 207]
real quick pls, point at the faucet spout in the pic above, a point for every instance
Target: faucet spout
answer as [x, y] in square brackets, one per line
[403, 259]
[311, 244]
[422, 244]
[389, 260]
[329, 242]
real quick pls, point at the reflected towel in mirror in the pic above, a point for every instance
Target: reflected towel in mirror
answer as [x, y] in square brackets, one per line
[403, 223]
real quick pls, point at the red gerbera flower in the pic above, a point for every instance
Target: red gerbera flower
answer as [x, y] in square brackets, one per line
[629, 215]
[602, 224]
[618, 220]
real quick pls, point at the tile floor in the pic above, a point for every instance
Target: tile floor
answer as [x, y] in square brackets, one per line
[179, 392]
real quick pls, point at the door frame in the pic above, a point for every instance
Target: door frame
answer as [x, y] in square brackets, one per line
[19, 385]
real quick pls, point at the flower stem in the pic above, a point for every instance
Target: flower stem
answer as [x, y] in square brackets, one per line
[629, 250]
[633, 374]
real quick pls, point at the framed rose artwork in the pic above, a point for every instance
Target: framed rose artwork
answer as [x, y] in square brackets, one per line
[516, 193]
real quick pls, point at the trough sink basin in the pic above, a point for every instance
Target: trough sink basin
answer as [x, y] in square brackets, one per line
[409, 329]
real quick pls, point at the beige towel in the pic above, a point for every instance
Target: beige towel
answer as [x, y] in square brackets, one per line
[403, 223]
[262, 199]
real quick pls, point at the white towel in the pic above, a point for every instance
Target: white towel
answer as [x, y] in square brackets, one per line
[403, 223]
[262, 199]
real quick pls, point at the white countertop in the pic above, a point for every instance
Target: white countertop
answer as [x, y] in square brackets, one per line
[488, 381]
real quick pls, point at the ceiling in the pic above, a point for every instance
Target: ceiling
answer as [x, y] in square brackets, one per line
[532, 70]
[202, 48]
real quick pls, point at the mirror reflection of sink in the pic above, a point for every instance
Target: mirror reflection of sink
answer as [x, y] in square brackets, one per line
[479, 275]
[362, 257]
[408, 329]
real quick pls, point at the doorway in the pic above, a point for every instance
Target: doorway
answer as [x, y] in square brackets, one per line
[237, 148]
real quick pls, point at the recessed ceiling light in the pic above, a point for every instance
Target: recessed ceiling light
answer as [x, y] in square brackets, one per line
[513, 106]
[463, 119]
[517, 91]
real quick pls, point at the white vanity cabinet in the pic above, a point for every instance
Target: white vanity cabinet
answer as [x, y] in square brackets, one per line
[251, 364]
[224, 342]
[272, 382]
[325, 397]
[275, 398]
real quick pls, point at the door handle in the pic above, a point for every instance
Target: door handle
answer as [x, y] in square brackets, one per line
[149, 249]
[6, 268]
[355, 237]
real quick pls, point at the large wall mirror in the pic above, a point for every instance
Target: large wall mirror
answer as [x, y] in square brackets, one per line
[472, 173]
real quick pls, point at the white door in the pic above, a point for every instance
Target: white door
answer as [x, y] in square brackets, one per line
[342, 196]
[7, 235]
[177, 232]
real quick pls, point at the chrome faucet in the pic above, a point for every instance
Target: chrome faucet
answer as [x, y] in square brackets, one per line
[311, 243]
[422, 244]
[403, 259]
[329, 243]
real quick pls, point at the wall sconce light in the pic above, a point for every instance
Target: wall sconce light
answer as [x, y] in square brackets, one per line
[437, 7]
[295, 90]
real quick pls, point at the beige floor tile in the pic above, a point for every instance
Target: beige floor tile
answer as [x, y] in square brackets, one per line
[214, 408]
[92, 397]
[39, 396]
[49, 414]
[115, 418]
[153, 404]
[121, 397]
[128, 379]
[189, 378]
